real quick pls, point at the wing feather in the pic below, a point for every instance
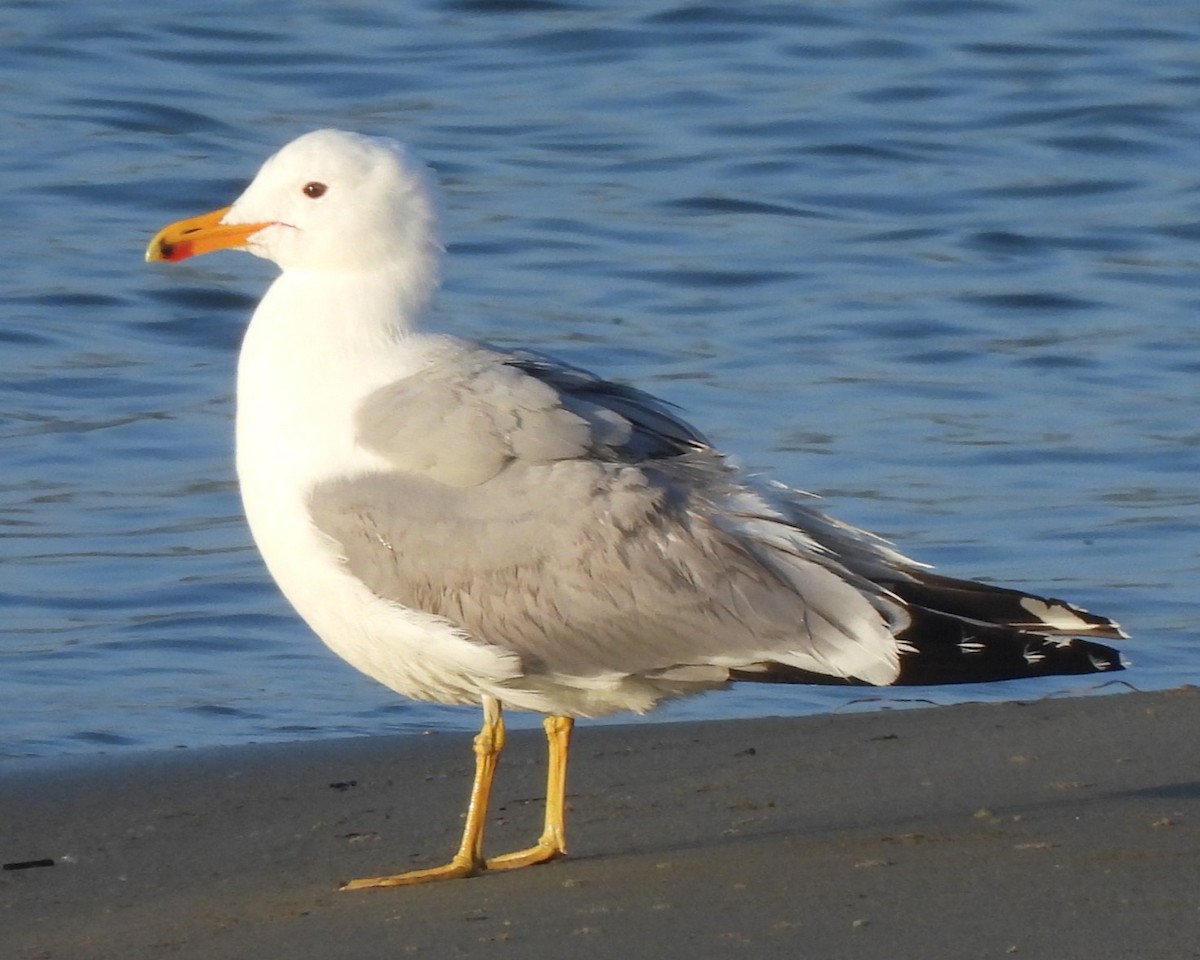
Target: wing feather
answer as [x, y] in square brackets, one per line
[583, 526]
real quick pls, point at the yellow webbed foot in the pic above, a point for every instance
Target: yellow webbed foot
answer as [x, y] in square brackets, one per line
[456, 869]
[543, 852]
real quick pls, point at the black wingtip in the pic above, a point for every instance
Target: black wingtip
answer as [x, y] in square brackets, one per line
[938, 648]
[985, 603]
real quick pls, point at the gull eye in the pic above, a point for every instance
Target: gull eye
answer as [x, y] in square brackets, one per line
[314, 189]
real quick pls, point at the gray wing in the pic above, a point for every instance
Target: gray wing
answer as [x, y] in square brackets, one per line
[473, 410]
[584, 527]
[650, 427]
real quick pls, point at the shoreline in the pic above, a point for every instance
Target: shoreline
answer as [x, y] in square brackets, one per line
[1060, 828]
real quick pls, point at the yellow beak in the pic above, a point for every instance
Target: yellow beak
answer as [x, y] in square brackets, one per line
[196, 235]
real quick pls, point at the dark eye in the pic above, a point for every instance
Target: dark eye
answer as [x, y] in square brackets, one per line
[314, 189]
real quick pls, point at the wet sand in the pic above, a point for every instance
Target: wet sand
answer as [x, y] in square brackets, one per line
[1065, 828]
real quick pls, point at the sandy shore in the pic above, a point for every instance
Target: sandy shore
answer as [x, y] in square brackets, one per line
[1059, 829]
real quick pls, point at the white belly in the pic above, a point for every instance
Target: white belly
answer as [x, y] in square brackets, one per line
[296, 400]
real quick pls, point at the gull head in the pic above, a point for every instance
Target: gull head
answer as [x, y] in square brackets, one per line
[329, 200]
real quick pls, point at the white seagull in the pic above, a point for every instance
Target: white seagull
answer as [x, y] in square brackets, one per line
[468, 524]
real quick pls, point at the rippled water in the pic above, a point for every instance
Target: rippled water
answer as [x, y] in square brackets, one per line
[934, 260]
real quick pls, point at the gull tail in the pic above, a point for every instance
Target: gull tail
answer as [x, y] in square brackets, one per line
[960, 631]
[968, 632]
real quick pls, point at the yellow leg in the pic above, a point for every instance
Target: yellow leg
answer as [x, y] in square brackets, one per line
[553, 841]
[469, 859]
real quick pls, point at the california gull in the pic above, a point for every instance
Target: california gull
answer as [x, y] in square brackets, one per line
[468, 524]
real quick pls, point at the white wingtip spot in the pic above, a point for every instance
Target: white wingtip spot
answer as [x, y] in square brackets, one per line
[1058, 616]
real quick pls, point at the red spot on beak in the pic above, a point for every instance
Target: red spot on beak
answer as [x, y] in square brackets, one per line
[174, 252]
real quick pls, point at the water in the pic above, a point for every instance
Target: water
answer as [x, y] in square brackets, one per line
[936, 261]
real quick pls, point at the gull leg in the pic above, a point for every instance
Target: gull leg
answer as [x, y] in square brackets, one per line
[553, 842]
[468, 861]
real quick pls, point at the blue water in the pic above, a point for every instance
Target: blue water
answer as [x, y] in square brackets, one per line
[934, 260]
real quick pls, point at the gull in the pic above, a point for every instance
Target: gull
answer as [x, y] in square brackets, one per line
[474, 525]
